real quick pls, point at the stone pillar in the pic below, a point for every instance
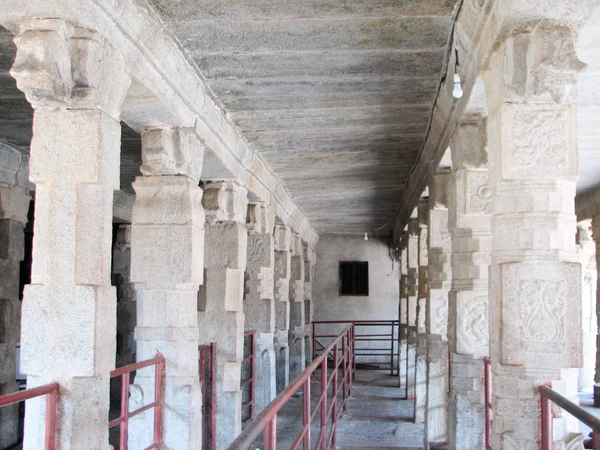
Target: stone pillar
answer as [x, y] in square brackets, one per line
[14, 206]
[421, 361]
[412, 261]
[403, 311]
[167, 247]
[469, 215]
[259, 299]
[535, 301]
[439, 283]
[283, 243]
[297, 330]
[221, 316]
[76, 84]
[310, 260]
[596, 236]
[126, 304]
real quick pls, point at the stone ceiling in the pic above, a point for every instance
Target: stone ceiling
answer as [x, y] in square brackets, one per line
[335, 94]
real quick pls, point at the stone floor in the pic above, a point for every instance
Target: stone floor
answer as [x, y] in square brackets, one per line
[377, 417]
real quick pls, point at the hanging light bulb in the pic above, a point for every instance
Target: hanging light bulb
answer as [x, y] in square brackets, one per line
[457, 92]
[366, 237]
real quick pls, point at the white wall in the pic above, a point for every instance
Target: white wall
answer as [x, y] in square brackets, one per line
[382, 302]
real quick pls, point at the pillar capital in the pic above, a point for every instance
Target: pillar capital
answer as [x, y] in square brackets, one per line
[438, 190]
[172, 151]
[283, 238]
[260, 218]
[225, 201]
[468, 144]
[535, 63]
[59, 65]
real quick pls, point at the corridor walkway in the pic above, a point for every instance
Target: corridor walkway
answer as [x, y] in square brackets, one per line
[377, 416]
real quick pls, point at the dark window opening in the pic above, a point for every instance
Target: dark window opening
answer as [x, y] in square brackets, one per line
[354, 278]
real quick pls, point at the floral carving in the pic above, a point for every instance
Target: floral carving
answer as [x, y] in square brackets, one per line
[543, 314]
[473, 323]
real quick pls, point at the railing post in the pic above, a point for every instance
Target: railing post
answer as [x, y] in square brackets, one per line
[546, 423]
[596, 440]
[488, 403]
[51, 401]
[159, 383]
[345, 371]
[124, 428]
[335, 388]
[322, 434]
[392, 349]
[271, 434]
[306, 412]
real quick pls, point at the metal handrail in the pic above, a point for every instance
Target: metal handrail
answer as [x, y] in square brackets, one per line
[267, 420]
[489, 414]
[51, 392]
[548, 395]
[393, 337]
[123, 420]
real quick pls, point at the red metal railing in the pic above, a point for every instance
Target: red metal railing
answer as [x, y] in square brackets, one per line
[208, 382]
[549, 396]
[123, 420]
[51, 392]
[247, 383]
[489, 414]
[266, 421]
[386, 355]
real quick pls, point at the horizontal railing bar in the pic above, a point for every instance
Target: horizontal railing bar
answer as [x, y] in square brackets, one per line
[253, 431]
[578, 412]
[357, 322]
[28, 394]
[143, 409]
[246, 382]
[153, 446]
[136, 366]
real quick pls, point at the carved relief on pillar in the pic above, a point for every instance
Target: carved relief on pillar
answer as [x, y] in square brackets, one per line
[58, 65]
[545, 53]
[472, 336]
[539, 326]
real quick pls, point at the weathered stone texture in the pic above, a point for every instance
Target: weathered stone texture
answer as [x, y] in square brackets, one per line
[259, 299]
[167, 256]
[222, 318]
[69, 308]
[14, 205]
[535, 276]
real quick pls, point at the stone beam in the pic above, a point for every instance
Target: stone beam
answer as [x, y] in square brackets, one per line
[479, 25]
[170, 94]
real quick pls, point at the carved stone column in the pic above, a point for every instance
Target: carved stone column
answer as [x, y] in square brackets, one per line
[126, 304]
[468, 305]
[14, 205]
[283, 243]
[596, 236]
[535, 288]
[297, 329]
[76, 84]
[221, 316]
[167, 248]
[412, 261]
[439, 283]
[421, 362]
[310, 260]
[259, 300]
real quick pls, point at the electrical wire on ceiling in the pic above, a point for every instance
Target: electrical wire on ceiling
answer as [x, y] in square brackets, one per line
[447, 55]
